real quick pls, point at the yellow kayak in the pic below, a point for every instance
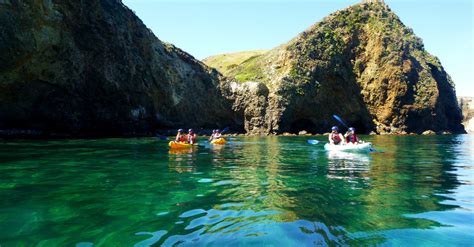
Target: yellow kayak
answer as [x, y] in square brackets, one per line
[174, 144]
[219, 141]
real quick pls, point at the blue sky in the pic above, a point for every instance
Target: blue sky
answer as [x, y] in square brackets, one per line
[208, 27]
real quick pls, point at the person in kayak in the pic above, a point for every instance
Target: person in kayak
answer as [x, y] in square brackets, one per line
[335, 137]
[191, 137]
[217, 135]
[351, 137]
[212, 136]
[180, 137]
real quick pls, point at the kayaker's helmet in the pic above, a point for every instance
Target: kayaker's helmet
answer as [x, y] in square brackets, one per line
[334, 128]
[218, 131]
[180, 131]
[352, 129]
[190, 131]
[213, 131]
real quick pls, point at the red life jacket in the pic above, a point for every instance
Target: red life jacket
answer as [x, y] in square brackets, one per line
[336, 138]
[353, 138]
[181, 138]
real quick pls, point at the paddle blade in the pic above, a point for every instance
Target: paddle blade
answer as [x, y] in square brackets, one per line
[225, 129]
[163, 138]
[313, 142]
[339, 120]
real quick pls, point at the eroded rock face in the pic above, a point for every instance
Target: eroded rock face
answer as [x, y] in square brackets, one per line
[93, 68]
[362, 64]
[250, 100]
[467, 106]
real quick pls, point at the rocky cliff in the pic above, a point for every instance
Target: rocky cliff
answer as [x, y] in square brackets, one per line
[361, 63]
[467, 106]
[92, 68]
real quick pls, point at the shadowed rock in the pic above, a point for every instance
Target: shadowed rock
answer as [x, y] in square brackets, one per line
[92, 68]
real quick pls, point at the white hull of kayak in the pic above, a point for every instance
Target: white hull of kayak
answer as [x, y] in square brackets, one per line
[361, 147]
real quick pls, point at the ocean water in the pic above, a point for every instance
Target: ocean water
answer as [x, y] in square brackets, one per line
[272, 191]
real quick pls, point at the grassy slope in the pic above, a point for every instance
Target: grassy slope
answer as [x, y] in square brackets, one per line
[228, 63]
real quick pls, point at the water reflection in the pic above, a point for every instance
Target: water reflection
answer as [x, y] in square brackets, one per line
[182, 160]
[342, 191]
[348, 166]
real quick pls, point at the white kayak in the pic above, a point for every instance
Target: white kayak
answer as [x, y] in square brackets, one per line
[361, 147]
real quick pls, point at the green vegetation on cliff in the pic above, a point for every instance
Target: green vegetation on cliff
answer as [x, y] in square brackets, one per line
[93, 68]
[228, 63]
[361, 62]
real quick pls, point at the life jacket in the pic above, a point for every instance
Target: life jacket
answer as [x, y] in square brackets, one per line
[181, 138]
[336, 138]
[352, 139]
[191, 138]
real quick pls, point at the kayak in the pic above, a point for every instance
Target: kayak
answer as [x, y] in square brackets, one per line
[219, 141]
[361, 147]
[174, 144]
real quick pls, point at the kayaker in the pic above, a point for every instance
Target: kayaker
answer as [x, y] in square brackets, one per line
[351, 137]
[180, 137]
[335, 137]
[217, 135]
[191, 137]
[212, 136]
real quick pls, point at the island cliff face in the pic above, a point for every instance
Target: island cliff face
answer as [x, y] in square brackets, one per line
[467, 106]
[361, 63]
[92, 68]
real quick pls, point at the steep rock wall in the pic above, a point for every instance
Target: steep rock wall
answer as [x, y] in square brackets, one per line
[92, 68]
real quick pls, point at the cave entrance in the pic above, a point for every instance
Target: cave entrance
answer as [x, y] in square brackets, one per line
[303, 124]
[360, 127]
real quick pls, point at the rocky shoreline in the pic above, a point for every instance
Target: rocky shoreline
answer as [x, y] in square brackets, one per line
[35, 134]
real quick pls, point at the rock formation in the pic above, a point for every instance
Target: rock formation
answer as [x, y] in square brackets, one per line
[467, 106]
[361, 63]
[92, 68]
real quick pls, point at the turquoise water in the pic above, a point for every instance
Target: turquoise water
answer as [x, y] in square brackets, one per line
[274, 191]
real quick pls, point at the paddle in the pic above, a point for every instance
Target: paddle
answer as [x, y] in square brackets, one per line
[345, 125]
[206, 144]
[224, 130]
[313, 142]
[162, 137]
[340, 120]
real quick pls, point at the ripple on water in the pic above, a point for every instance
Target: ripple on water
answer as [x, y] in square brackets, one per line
[228, 205]
[205, 180]
[155, 237]
[192, 213]
[226, 182]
